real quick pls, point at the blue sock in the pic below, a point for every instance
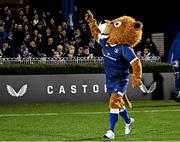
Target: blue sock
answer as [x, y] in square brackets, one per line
[113, 120]
[125, 115]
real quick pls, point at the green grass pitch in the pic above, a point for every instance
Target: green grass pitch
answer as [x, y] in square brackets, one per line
[154, 121]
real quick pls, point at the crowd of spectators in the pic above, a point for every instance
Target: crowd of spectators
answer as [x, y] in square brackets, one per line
[26, 32]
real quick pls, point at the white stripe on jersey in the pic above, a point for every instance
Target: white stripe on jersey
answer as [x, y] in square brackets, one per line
[133, 60]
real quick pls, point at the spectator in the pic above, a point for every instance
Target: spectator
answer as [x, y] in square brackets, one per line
[151, 45]
[44, 19]
[64, 25]
[1, 22]
[78, 42]
[35, 34]
[85, 33]
[64, 36]
[35, 20]
[25, 51]
[10, 39]
[48, 33]
[58, 38]
[3, 34]
[139, 54]
[27, 39]
[19, 18]
[147, 55]
[33, 50]
[27, 10]
[40, 44]
[50, 47]
[25, 25]
[18, 37]
[7, 51]
[57, 59]
[52, 25]
[26, 29]
[25, 20]
[59, 50]
[77, 33]
[40, 28]
[80, 52]
[66, 48]
[92, 49]
[59, 29]
[9, 13]
[7, 22]
[71, 51]
[86, 52]
[72, 41]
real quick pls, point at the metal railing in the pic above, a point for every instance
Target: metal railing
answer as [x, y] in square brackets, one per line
[151, 59]
[64, 60]
[45, 60]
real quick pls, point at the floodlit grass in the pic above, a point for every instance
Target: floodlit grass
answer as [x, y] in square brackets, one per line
[154, 121]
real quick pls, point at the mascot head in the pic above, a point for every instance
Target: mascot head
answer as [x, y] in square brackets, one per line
[123, 30]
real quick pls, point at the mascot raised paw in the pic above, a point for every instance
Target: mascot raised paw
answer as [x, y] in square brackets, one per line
[117, 39]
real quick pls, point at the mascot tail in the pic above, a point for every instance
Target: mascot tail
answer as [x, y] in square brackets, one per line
[127, 102]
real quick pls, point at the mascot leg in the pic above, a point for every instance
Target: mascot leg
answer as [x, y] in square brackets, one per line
[116, 103]
[124, 114]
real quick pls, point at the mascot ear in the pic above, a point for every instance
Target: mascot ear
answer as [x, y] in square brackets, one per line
[138, 25]
[107, 21]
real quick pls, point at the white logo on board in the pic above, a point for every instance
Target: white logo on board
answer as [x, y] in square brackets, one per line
[144, 89]
[20, 93]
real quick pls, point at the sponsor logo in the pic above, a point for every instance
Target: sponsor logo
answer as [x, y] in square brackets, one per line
[151, 89]
[109, 57]
[61, 89]
[20, 93]
[116, 50]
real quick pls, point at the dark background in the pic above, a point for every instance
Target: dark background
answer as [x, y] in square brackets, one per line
[157, 16]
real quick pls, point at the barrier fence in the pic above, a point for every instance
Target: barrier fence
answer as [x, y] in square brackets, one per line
[65, 60]
[76, 88]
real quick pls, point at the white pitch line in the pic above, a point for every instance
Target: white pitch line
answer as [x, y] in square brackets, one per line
[175, 110]
[28, 114]
[82, 113]
[135, 111]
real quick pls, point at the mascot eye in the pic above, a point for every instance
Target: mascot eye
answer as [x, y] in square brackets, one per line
[117, 24]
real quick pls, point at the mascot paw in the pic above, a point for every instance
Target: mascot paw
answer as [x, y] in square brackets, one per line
[89, 16]
[136, 82]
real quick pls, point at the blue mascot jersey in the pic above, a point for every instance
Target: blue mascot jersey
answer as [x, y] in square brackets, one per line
[117, 61]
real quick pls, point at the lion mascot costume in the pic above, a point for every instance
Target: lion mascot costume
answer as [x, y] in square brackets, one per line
[117, 39]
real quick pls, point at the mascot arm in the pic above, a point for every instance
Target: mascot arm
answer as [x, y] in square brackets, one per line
[137, 73]
[92, 25]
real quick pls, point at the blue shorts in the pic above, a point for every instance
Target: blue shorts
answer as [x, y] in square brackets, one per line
[118, 86]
